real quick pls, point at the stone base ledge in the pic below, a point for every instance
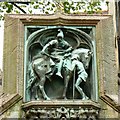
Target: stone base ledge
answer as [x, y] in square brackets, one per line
[112, 101]
[51, 103]
[61, 109]
[7, 101]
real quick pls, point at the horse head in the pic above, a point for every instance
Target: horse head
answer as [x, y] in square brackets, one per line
[84, 56]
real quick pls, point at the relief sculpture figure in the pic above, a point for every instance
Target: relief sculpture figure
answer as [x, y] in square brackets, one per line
[41, 65]
[57, 49]
[58, 57]
[60, 51]
[81, 74]
[80, 59]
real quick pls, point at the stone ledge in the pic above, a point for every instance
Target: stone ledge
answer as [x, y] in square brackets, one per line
[61, 109]
[7, 101]
[111, 102]
[51, 103]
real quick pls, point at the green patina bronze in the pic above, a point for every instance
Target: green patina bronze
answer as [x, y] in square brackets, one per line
[58, 63]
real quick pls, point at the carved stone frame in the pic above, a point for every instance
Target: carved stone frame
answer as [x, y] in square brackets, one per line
[14, 53]
[93, 76]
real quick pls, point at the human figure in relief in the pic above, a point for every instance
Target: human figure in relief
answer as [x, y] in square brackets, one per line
[81, 74]
[58, 50]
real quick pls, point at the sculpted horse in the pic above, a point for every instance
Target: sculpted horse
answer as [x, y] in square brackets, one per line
[85, 57]
[41, 64]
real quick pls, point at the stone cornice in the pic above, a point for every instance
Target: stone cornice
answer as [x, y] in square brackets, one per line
[52, 103]
[60, 19]
[61, 109]
[112, 103]
[7, 101]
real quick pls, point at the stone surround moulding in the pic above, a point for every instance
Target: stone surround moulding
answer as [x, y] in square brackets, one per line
[7, 101]
[60, 20]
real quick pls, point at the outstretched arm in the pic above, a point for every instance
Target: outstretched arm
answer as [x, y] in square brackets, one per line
[53, 42]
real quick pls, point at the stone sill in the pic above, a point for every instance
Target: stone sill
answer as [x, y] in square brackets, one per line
[66, 103]
[61, 109]
[111, 101]
[7, 101]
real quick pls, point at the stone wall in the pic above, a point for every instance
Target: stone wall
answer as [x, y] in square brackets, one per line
[13, 112]
[13, 56]
[1, 80]
[105, 54]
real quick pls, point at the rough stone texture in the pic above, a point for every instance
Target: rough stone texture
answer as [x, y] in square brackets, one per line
[7, 101]
[13, 112]
[106, 63]
[10, 45]
[106, 58]
[105, 53]
[109, 61]
[1, 80]
[107, 111]
[13, 56]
